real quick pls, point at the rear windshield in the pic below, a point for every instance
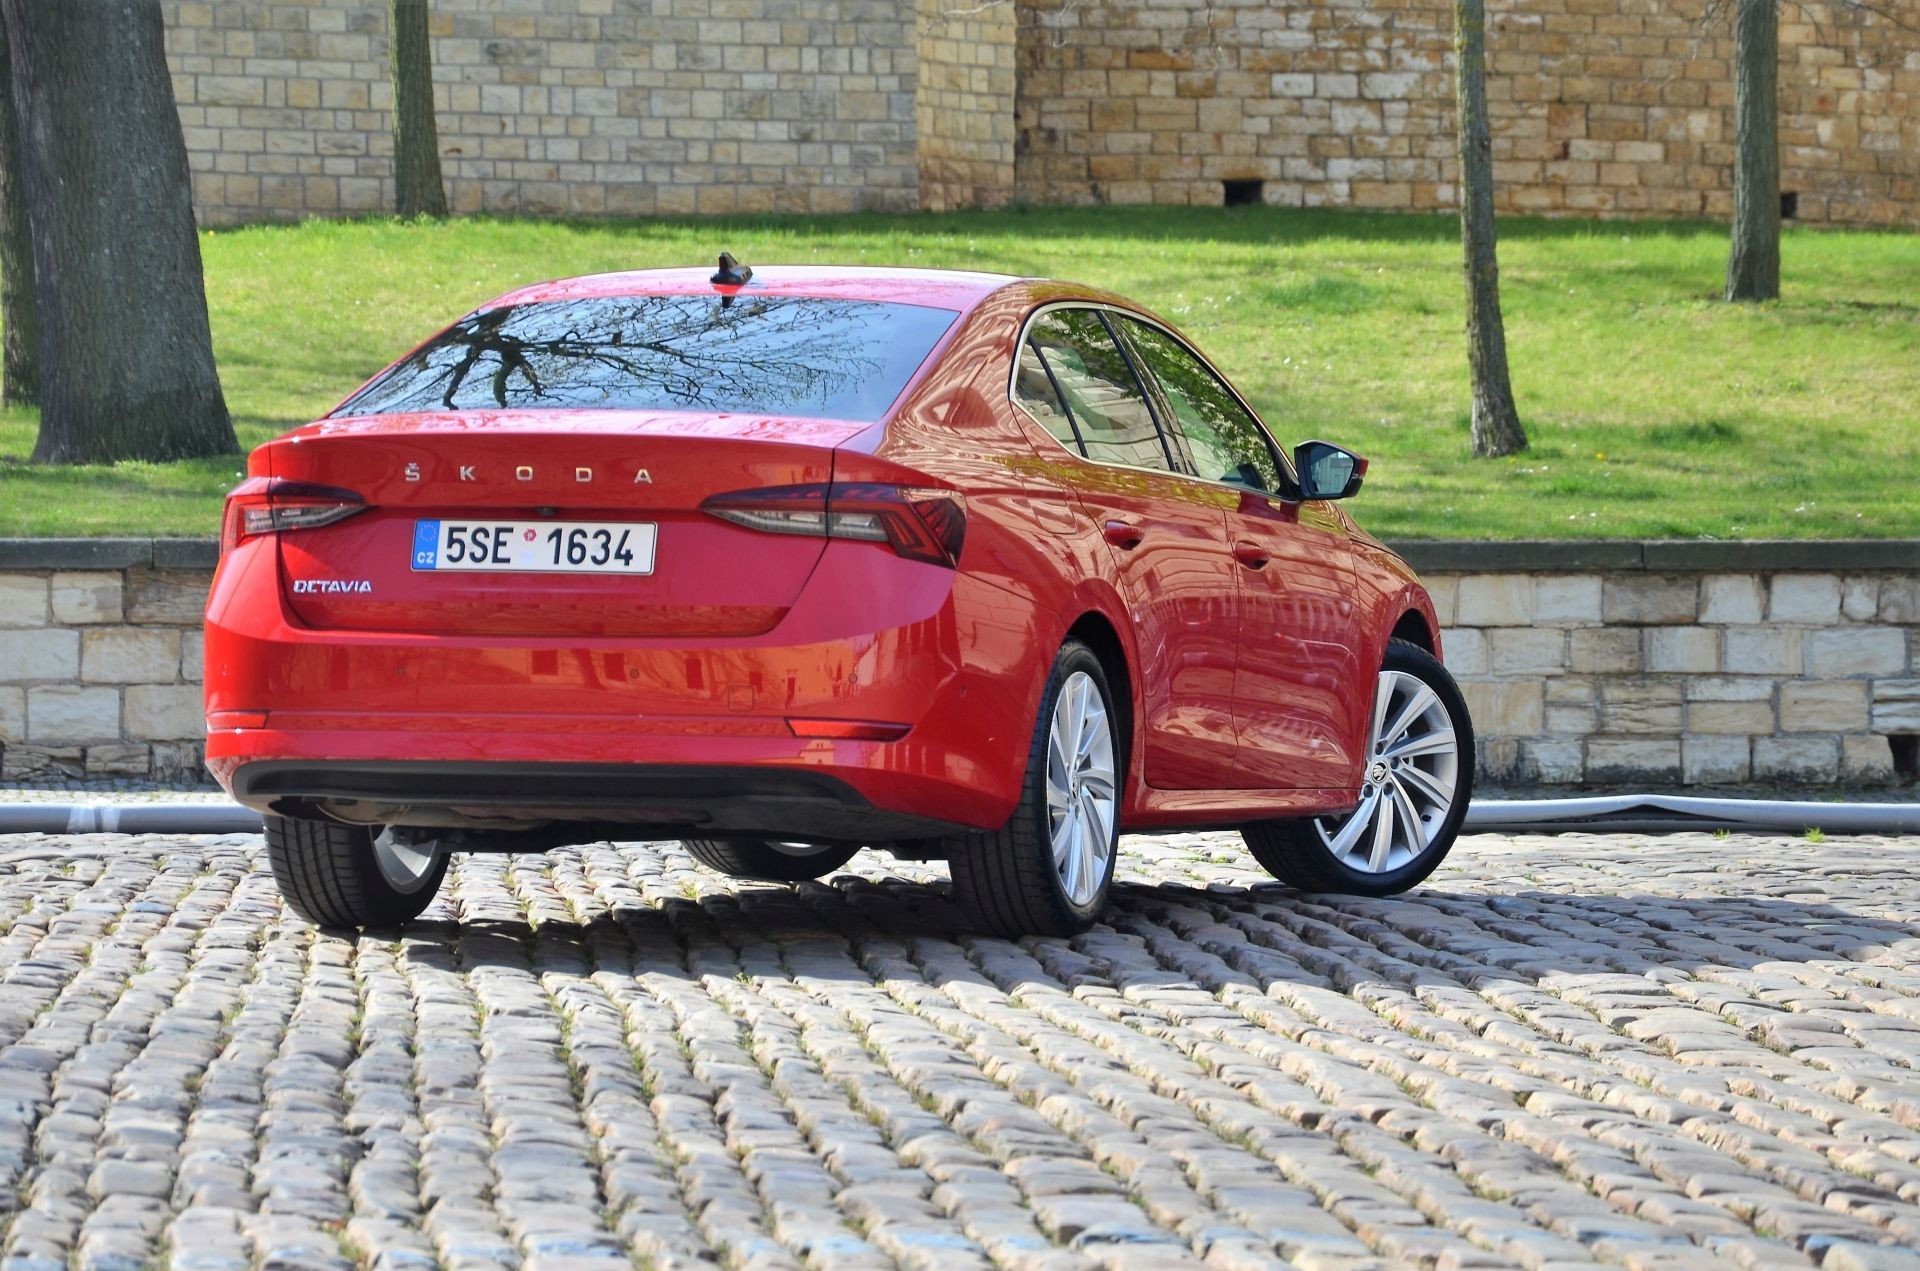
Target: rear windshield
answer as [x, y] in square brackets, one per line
[774, 355]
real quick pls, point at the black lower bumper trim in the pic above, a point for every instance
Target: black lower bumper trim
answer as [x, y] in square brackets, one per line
[666, 800]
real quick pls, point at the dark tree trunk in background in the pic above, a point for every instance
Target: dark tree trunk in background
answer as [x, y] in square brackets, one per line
[1753, 266]
[417, 187]
[126, 356]
[1496, 424]
[20, 358]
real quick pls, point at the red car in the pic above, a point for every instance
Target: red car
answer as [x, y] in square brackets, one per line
[788, 563]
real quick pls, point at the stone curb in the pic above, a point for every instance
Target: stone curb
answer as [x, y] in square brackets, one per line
[1432, 555]
[1677, 556]
[109, 553]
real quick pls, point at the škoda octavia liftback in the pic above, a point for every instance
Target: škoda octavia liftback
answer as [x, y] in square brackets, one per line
[790, 563]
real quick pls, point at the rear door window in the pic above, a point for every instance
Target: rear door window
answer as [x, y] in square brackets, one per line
[1107, 404]
[1033, 389]
[796, 356]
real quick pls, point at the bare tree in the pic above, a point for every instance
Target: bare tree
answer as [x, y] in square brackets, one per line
[1496, 424]
[1753, 265]
[20, 360]
[417, 185]
[126, 354]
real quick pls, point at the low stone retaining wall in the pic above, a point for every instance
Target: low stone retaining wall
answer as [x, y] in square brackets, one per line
[1585, 663]
[100, 658]
[1682, 663]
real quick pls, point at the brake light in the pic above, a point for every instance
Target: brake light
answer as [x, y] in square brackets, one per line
[918, 524]
[269, 505]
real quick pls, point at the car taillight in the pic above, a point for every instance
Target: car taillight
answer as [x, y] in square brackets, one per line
[919, 524]
[268, 505]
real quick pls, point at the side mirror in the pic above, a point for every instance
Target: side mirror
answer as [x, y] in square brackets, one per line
[1327, 471]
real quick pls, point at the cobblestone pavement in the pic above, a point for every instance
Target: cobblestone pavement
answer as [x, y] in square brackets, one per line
[1560, 1051]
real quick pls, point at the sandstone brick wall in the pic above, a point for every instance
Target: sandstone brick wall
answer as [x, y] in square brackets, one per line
[643, 107]
[554, 107]
[1607, 107]
[100, 660]
[964, 107]
[1698, 676]
[1749, 665]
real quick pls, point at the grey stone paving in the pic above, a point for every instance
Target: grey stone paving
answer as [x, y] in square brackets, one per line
[1561, 1051]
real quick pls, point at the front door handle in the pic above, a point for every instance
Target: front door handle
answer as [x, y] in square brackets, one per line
[1123, 534]
[1252, 555]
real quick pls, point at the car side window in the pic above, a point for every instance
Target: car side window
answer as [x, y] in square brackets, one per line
[1106, 402]
[1033, 389]
[1225, 442]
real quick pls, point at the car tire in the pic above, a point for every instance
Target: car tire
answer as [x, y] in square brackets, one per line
[1024, 878]
[336, 875]
[1347, 853]
[760, 858]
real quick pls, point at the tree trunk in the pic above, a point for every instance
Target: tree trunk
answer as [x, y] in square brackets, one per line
[19, 319]
[126, 356]
[1496, 424]
[417, 187]
[1753, 267]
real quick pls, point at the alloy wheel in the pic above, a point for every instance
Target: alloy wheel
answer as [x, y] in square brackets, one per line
[799, 849]
[405, 862]
[1413, 768]
[1081, 797]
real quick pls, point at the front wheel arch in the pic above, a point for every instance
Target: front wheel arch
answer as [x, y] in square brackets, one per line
[1413, 628]
[1297, 853]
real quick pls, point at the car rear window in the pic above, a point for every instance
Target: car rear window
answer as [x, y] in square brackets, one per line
[776, 355]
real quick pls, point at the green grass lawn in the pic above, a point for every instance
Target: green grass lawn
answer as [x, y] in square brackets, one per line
[1654, 409]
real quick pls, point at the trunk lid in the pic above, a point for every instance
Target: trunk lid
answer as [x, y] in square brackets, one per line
[546, 469]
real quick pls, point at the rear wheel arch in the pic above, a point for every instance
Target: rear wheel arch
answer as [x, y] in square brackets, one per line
[1094, 630]
[1041, 873]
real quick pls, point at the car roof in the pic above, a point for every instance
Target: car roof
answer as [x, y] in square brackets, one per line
[939, 288]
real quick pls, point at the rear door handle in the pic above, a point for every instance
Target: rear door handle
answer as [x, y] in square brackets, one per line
[1252, 555]
[1123, 534]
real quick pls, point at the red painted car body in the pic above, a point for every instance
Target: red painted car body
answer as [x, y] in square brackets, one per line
[801, 687]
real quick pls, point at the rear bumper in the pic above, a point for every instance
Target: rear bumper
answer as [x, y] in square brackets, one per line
[681, 736]
[668, 799]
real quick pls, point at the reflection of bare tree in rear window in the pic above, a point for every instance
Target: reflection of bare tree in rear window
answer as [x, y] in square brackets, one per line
[784, 355]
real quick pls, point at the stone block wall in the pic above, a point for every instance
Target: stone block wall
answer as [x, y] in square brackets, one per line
[1692, 664]
[1755, 665]
[964, 108]
[100, 658]
[1598, 107]
[553, 108]
[647, 107]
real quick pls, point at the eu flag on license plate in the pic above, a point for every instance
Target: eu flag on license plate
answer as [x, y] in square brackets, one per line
[426, 544]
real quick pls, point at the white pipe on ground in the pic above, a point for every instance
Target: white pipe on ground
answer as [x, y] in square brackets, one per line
[1621, 813]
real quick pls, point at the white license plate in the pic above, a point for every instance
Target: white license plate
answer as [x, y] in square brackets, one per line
[540, 547]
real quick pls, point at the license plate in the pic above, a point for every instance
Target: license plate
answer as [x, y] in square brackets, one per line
[539, 547]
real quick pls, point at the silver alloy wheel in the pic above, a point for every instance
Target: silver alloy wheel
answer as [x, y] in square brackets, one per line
[1413, 765]
[406, 863]
[1080, 788]
[798, 849]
